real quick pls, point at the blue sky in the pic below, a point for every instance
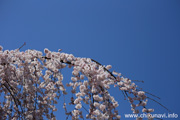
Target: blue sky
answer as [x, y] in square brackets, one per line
[139, 38]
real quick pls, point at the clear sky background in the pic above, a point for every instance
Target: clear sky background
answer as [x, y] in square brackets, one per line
[139, 38]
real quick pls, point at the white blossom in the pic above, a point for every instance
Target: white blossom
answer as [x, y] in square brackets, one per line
[102, 107]
[78, 106]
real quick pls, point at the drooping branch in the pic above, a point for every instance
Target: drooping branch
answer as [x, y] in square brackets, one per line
[40, 76]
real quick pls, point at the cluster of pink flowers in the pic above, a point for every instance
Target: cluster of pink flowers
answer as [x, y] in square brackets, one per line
[32, 84]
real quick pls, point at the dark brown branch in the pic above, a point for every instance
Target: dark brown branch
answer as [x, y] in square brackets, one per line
[13, 90]
[12, 96]
[104, 68]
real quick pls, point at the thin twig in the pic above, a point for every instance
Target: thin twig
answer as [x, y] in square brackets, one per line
[22, 46]
[138, 81]
[85, 109]
[159, 104]
[150, 94]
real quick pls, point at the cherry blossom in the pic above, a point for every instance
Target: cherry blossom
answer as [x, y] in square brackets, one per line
[32, 84]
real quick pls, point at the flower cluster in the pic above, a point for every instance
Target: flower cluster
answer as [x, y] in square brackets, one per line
[32, 83]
